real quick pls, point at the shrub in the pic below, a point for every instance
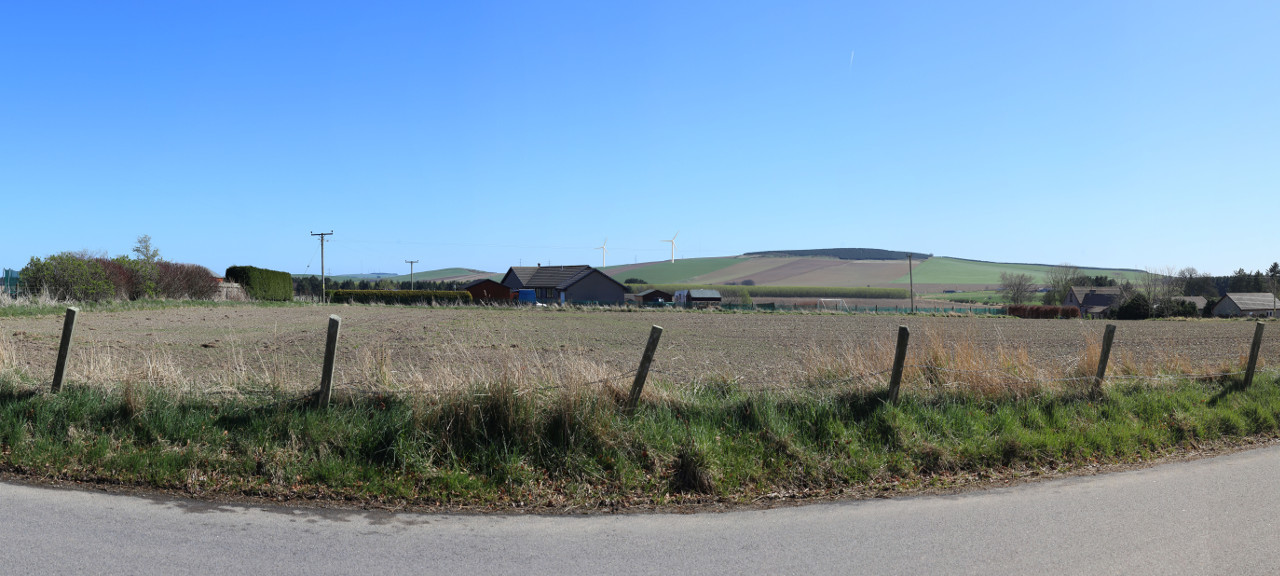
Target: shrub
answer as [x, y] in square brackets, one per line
[1044, 312]
[68, 276]
[186, 281]
[399, 296]
[263, 284]
[1136, 308]
[634, 281]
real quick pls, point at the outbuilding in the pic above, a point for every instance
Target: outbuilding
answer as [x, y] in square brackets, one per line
[1254, 304]
[654, 296]
[486, 290]
[698, 298]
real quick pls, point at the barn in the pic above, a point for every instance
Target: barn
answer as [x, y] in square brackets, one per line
[1255, 304]
[486, 290]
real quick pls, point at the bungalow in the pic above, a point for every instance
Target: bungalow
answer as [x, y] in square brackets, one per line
[1093, 300]
[1257, 304]
[566, 284]
[486, 290]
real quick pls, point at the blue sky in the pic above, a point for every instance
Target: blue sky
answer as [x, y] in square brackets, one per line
[485, 135]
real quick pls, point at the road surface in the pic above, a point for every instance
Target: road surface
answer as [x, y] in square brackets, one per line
[1207, 516]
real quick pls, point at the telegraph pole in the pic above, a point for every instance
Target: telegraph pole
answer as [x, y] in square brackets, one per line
[910, 275]
[411, 263]
[323, 297]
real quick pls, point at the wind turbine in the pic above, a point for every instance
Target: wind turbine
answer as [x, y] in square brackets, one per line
[604, 254]
[673, 246]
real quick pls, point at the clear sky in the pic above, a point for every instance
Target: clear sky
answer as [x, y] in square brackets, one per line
[485, 135]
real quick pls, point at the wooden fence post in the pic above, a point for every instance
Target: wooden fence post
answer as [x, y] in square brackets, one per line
[1253, 355]
[899, 359]
[643, 372]
[330, 350]
[1107, 337]
[64, 350]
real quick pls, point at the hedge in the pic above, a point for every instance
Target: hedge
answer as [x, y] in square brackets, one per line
[399, 296]
[263, 284]
[1044, 312]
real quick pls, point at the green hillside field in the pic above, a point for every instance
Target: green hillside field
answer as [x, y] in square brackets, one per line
[674, 272]
[943, 270]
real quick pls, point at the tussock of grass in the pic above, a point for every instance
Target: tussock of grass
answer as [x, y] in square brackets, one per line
[504, 444]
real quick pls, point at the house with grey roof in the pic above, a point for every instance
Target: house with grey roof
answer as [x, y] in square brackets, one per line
[1255, 304]
[566, 284]
[1093, 300]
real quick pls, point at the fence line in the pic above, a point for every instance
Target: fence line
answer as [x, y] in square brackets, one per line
[322, 396]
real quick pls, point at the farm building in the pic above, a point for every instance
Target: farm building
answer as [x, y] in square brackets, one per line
[1257, 304]
[1093, 300]
[486, 290]
[697, 298]
[566, 284]
[654, 296]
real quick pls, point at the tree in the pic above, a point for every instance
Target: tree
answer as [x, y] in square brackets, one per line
[145, 251]
[634, 281]
[1060, 278]
[1136, 308]
[1017, 287]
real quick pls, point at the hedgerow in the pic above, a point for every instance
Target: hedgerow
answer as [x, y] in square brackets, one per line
[263, 284]
[399, 296]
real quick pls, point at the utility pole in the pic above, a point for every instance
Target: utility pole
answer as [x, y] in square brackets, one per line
[411, 263]
[323, 296]
[910, 277]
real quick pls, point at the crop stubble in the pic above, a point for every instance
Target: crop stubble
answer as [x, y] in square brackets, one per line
[199, 349]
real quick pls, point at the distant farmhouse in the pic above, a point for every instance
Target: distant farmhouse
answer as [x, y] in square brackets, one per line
[697, 298]
[654, 296]
[1093, 300]
[566, 284]
[1255, 304]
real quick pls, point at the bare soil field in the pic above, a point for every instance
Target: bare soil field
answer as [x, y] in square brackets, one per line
[230, 348]
[774, 271]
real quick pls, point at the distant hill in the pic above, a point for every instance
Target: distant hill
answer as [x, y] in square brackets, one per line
[454, 274]
[844, 254]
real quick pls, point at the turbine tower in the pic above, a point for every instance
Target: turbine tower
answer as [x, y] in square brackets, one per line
[673, 246]
[604, 254]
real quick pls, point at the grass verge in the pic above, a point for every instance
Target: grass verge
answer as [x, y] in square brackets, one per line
[502, 445]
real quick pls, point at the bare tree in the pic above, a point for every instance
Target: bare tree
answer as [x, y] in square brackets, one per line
[1017, 287]
[1060, 278]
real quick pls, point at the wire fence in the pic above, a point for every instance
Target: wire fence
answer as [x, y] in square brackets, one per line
[921, 377]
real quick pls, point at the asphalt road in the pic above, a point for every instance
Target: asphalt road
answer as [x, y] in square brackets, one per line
[1211, 516]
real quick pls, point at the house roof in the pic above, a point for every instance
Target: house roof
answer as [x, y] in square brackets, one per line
[1099, 300]
[1247, 301]
[558, 277]
[654, 291]
[475, 283]
[704, 293]
[1081, 291]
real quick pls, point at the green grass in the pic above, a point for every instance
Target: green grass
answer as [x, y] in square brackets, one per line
[943, 270]
[27, 309]
[978, 296]
[675, 272]
[564, 448]
[785, 291]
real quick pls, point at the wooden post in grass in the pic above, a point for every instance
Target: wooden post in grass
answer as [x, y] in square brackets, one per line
[330, 350]
[1107, 337]
[643, 372]
[899, 359]
[64, 350]
[1253, 355]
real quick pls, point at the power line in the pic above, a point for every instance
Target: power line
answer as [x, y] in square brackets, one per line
[323, 296]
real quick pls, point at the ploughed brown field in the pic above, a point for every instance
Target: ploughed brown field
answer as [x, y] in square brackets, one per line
[225, 349]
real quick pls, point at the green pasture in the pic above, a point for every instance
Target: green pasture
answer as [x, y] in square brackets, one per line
[675, 272]
[943, 270]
